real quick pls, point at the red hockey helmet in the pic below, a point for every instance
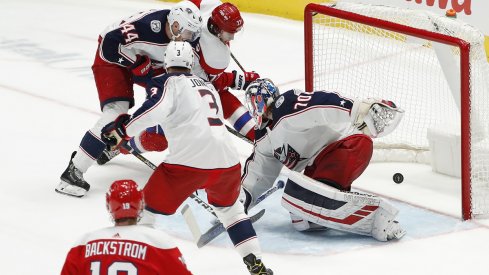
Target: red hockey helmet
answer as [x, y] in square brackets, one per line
[124, 200]
[225, 17]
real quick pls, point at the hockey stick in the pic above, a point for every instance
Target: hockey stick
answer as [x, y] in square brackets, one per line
[217, 229]
[152, 166]
[237, 63]
[236, 133]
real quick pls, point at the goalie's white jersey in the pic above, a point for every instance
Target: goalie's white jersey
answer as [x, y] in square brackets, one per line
[303, 124]
[190, 113]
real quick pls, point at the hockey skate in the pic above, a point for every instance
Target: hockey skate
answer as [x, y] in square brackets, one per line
[107, 155]
[72, 182]
[245, 198]
[255, 266]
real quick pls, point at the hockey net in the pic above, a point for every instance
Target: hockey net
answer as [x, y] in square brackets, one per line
[432, 66]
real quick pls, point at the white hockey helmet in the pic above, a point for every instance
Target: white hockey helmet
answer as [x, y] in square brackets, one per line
[259, 96]
[187, 14]
[178, 54]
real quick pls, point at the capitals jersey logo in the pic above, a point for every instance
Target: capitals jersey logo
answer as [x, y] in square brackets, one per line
[287, 155]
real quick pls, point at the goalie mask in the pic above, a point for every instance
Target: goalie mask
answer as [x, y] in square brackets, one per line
[260, 95]
[178, 54]
[189, 20]
[124, 200]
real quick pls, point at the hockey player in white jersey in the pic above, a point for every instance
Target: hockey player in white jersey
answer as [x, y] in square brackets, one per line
[200, 150]
[222, 22]
[129, 52]
[329, 138]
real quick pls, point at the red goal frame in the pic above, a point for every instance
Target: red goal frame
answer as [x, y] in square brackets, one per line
[312, 9]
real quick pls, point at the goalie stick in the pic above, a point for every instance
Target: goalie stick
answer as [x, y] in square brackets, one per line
[217, 229]
[280, 185]
[152, 166]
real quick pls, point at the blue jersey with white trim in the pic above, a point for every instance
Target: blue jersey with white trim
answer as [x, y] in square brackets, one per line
[303, 124]
[140, 34]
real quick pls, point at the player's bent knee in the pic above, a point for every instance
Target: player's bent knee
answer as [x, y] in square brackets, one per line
[231, 214]
[110, 112]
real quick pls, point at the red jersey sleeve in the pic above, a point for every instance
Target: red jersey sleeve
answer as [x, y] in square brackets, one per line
[71, 266]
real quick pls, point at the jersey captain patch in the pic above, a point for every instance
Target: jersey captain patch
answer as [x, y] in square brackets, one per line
[287, 155]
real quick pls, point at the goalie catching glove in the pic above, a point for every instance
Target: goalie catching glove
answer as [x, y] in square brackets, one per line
[376, 117]
[114, 133]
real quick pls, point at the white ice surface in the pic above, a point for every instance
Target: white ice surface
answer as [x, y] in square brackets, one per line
[49, 101]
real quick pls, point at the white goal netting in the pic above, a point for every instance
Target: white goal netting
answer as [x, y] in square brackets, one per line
[422, 76]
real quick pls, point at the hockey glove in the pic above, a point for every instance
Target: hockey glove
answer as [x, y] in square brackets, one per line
[243, 79]
[141, 69]
[114, 133]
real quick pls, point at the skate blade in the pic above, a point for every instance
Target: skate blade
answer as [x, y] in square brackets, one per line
[70, 190]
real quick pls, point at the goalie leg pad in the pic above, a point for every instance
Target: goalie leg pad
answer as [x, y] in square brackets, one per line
[239, 228]
[300, 224]
[385, 228]
[352, 212]
[341, 162]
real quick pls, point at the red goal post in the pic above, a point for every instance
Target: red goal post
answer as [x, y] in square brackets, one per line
[334, 34]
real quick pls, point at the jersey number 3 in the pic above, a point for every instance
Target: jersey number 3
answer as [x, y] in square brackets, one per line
[213, 121]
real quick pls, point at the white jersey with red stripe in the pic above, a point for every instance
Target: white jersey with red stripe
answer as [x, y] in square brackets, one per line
[303, 124]
[212, 59]
[132, 249]
[213, 56]
[190, 112]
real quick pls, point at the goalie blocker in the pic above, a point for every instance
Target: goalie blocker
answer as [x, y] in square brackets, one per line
[323, 205]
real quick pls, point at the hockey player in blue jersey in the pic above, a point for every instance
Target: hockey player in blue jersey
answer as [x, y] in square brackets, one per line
[128, 52]
[328, 137]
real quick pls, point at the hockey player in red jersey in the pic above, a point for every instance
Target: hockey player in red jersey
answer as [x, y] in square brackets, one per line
[201, 154]
[125, 248]
[222, 21]
[128, 52]
[329, 138]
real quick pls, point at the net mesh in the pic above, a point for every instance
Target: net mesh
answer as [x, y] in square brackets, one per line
[421, 76]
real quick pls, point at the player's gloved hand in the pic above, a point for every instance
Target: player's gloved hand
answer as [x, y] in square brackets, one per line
[114, 133]
[141, 69]
[243, 79]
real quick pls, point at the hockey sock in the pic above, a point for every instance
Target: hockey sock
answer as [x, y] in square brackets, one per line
[91, 147]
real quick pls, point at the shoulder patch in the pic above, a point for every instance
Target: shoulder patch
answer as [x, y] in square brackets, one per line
[156, 26]
[279, 101]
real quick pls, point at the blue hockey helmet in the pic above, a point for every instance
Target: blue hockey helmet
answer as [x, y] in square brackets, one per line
[260, 95]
